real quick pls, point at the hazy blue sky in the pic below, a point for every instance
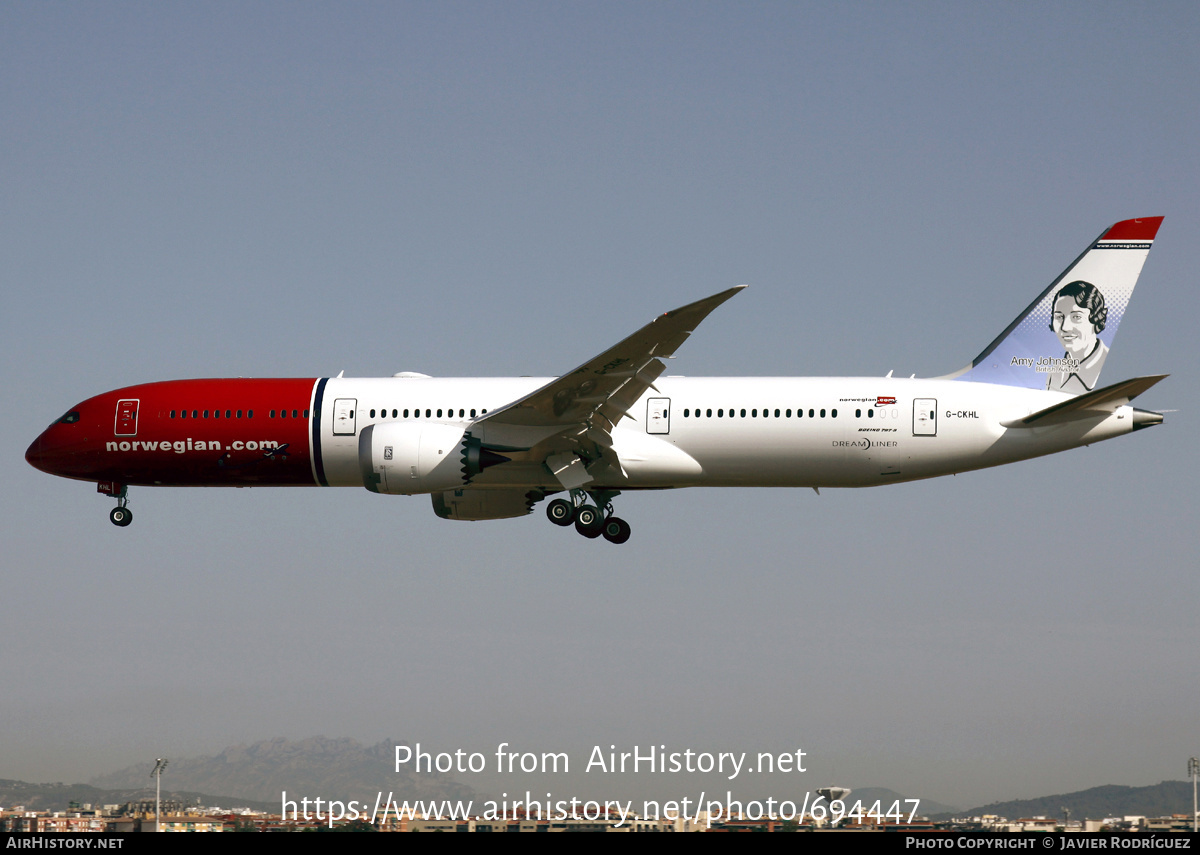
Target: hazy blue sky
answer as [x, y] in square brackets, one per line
[194, 190]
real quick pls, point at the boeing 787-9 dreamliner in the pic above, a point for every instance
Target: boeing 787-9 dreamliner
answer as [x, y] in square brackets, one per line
[492, 448]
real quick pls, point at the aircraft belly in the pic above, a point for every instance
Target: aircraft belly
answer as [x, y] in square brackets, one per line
[770, 458]
[652, 461]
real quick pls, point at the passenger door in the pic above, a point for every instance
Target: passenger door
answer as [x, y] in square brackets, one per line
[925, 417]
[658, 415]
[343, 416]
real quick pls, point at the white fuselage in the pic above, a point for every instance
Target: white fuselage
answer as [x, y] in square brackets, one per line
[740, 431]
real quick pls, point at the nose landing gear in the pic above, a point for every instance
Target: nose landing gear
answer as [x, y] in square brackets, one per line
[591, 520]
[120, 515]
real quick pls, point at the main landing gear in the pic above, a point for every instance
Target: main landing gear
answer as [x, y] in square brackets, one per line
[591, 520]
[120, 515]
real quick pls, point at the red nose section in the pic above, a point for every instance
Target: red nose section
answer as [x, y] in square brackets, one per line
[37, 457]
[58, 451]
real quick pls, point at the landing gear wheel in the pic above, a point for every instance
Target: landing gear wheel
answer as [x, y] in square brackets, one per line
[588, 521]
[560, 512]
[616, 530]
[121, 516]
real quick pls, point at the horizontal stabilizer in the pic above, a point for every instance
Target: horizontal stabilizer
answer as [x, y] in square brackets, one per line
[1100, 402]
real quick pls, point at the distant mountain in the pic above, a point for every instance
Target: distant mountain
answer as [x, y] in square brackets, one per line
[59, 797]
[1163, 799]
[869, 795]
[340, 769]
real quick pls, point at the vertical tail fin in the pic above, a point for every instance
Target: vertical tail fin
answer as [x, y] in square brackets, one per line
[1061, 340]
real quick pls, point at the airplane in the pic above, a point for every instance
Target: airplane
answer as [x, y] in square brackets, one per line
[492, 448]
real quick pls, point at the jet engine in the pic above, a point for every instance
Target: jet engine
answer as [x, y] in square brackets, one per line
[406, 458]
[484, 504]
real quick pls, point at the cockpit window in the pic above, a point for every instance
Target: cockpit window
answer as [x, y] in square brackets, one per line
[70, 418]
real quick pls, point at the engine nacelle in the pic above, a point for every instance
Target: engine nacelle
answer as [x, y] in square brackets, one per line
[411, 457]
[406, 458]
[484, 504]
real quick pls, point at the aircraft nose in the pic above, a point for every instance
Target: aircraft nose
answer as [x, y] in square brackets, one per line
[38, 455]
[54, 455]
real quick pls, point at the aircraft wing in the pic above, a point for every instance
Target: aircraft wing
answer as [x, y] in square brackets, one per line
[1099, 402]
[609, 384]
[581, 408]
